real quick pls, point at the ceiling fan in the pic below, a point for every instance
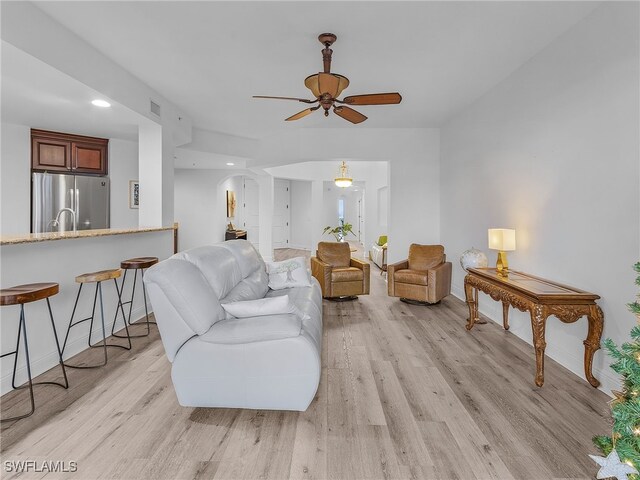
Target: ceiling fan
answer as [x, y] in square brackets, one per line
[326, 87]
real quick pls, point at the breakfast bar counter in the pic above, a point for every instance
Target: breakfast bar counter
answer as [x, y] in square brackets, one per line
[49, 236]
[36, 258]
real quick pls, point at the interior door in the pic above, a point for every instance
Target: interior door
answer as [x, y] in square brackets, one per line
[281, 213]
[251, 217]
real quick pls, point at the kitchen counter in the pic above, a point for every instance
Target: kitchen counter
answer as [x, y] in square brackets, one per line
[45, 237]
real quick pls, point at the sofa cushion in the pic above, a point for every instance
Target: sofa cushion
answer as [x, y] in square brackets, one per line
[254, 329]
[188, 291]
[262, 307]
[218, 265]
[249, 260]
[346, 274]
[425, 257]
[416, 277]
[336, 254]
[288, 273]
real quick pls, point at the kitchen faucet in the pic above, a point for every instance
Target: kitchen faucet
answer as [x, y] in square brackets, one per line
[73, 217]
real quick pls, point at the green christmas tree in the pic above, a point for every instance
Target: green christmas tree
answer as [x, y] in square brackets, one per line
[625, 407]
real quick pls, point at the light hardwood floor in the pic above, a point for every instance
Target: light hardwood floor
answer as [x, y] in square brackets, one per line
[406, 392]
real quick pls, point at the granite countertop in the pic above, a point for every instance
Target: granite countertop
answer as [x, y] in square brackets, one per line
[45, 237]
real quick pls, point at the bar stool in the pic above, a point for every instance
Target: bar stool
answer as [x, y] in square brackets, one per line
[20, 295]
[136, 264]
[98, 278]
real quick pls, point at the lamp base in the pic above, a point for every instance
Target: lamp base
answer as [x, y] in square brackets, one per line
[502, 265]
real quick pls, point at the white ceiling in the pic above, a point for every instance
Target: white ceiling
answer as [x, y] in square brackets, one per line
[209, 58]
[38, 95]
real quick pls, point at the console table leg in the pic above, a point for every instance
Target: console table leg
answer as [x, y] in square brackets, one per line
[471, 303]
[505, 315]
[592, 343]
[539, 316]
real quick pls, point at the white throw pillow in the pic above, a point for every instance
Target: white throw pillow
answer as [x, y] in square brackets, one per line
[263, 306]
[288, 273]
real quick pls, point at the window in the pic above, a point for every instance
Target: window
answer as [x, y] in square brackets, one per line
[341, 209]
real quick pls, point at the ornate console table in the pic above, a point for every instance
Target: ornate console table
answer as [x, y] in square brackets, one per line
[541, 298]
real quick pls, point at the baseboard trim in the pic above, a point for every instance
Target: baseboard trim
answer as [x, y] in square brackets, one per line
[575, 364]
[46, 362]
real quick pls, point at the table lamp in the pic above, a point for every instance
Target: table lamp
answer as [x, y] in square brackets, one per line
[503, 240]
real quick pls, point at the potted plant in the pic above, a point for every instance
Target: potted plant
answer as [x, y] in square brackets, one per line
[341, 231]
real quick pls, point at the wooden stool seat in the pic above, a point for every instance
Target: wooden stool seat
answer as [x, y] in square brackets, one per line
[139, 262]
[27, 293]
[100, 276]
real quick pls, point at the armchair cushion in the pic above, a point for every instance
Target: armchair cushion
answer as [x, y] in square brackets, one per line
[382, 240]
[336, 254]
[346, 274]
[425, 257]
[416, 277]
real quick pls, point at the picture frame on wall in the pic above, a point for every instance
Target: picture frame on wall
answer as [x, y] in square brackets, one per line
[134, 194]
[231, 204]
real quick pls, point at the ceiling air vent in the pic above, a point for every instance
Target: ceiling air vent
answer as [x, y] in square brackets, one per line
[155, 108]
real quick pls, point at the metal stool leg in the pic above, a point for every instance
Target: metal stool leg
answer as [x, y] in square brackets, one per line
[98, 293]
[22, 328]
[144, 294]
[120, 307]
[130, 301]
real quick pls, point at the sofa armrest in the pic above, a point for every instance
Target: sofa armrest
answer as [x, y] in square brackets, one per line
[391, 269]
[263, 328]
[322, 272]
[366, 270]
[439, 282]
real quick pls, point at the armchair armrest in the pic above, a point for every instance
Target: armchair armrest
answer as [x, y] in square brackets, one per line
[439, 282]
[366, 270]
[322, 272]
[391, 269]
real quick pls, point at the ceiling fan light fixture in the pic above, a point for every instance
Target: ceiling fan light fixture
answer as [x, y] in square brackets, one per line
[331, 83]
[343, 180]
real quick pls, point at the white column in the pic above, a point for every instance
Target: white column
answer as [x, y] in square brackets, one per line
[150, 173]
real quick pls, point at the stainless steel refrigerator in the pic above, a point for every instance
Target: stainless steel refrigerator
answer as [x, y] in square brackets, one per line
[58, 201]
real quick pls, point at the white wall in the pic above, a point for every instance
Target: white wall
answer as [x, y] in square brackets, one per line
[15, 179]
[123, 167]
[414, 197]
[330, 207]
[301, 215]
[195, 195]
[201, 206]
[553, 152]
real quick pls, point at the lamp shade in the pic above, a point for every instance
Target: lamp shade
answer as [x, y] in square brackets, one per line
[503, 239]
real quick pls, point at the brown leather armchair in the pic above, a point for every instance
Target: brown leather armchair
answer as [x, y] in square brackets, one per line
[340, 276]
[425, 277]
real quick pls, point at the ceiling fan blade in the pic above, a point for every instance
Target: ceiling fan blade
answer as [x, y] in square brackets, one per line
[299, 115]
[374, 99]
[349, 114]
[304, 100]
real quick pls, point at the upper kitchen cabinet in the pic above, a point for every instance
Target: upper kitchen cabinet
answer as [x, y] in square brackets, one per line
[63, 152]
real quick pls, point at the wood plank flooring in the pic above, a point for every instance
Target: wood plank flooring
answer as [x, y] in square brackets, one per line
[406, 393]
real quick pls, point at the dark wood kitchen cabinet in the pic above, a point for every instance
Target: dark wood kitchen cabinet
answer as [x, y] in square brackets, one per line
[64, 152]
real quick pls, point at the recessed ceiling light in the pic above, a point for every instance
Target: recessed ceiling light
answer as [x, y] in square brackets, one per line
[101, 103]
[231, 164]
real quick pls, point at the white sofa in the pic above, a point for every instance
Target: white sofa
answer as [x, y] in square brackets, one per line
[264, 362]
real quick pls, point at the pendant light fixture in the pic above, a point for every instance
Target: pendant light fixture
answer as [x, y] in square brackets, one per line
[343, 180]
